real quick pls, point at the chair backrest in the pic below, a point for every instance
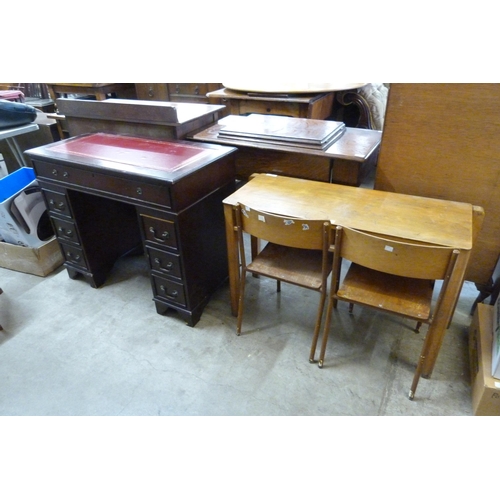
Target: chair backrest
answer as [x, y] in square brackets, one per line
[283, 230]
[402, 258]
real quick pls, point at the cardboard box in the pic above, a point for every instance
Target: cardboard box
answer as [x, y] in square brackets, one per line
[495, 360]
[485, 388]
[40, 261]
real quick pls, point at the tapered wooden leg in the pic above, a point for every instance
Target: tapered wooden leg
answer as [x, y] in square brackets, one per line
[317, 327]
[240, 303]
[233, 258]
[326, 330]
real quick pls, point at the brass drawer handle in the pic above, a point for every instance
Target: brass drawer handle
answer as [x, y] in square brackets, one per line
[73, 256]
[68, 232]
[174, 293]
[59, 205]
[167, 268]
[163, 238]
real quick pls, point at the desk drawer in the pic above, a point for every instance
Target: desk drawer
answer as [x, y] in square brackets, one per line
[124, 188]
[57, 203]
[168, 290]
[164, 262]
[74, 255]
[292, 109]
[65, 230]
[159, 231]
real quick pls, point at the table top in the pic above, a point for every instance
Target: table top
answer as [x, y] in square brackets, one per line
[85, 85]
[291, 88]
[428, 220]
[355, 144]
[12, 132]
[138, 111]
[289, 97]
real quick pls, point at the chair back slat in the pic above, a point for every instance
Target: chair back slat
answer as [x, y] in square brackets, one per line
[402, 258]
[282, 230]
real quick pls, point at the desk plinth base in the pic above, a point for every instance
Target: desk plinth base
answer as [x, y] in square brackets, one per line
[94, 279]
[190, 317]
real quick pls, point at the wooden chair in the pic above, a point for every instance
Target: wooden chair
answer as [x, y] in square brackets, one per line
[397, 277]
[297, 252]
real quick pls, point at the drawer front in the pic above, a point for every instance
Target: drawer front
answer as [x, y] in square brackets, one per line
[270, 107]
[57, 203]
[65, 230]
[164, 262]
[152, 91]
[74, 255]
[123, 188]
[168, 290]
[193, 89]
[159, 231]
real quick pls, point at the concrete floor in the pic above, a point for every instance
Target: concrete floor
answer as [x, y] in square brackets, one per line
[69, 349]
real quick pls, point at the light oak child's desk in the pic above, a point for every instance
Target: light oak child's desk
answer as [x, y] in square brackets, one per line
[428, 220]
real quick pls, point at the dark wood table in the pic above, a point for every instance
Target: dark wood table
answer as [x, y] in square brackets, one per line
[99, 90]
[109, 195]
[347, 161]
[317, 105]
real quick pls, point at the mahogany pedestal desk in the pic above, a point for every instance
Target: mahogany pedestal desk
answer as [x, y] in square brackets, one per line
[348, 160]
[431, 221]
[108, 195]
[152, 119]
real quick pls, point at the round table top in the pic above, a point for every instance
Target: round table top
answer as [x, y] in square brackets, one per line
[291, 88]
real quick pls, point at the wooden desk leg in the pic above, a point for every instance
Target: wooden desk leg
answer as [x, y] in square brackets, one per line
[439, 325]
[233, 258]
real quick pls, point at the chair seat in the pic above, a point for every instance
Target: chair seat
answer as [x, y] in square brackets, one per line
[408, 296]
[292, 265]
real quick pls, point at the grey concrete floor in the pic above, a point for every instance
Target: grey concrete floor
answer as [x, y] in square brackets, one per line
[69, 349]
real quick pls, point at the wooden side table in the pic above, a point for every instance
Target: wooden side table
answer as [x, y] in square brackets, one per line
[99, 90]
[318, 106]
[349, 160]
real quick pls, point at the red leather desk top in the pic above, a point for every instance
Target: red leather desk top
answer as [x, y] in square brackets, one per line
[135, 151]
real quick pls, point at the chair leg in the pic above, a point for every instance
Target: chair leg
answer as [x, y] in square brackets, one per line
[278, 286]
[351, 307]
[418, 370]
[317, 327]
[417, 328]
[332, 303]
[416, 378]
[240, 303]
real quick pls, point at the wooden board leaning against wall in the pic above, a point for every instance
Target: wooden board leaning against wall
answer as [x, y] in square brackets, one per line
[442, 141]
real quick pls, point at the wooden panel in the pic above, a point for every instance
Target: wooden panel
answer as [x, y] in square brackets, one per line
[441, 141]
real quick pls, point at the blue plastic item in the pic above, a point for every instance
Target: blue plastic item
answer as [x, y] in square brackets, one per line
[15, 182]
